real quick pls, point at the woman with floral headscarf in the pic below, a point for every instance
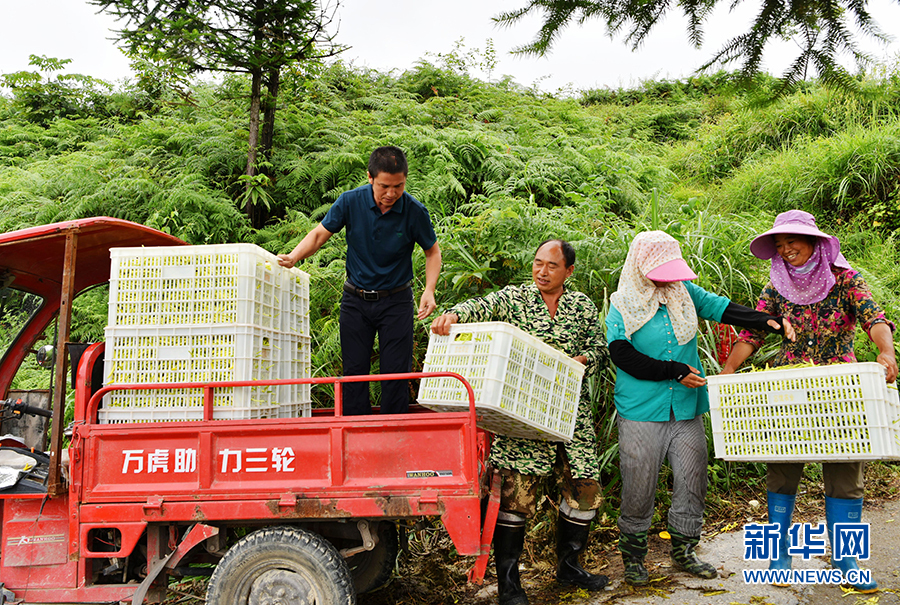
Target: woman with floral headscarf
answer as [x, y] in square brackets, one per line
[661, 397]
[813, 285]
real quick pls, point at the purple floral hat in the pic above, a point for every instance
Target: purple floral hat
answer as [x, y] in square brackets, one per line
[797, 222]
[812, 282]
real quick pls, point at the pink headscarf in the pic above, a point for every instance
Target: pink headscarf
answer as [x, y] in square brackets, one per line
[812, 282]
[638, 298]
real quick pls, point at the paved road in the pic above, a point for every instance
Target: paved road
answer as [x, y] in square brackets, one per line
[726, 551]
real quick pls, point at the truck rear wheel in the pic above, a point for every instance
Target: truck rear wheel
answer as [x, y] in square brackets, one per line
[281, 566]
[372, 569]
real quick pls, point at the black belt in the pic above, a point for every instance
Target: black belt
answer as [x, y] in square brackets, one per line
[374, 294]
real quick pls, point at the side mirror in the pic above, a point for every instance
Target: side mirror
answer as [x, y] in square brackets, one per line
[46, 356]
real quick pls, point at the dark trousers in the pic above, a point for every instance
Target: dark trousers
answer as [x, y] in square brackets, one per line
[391, 318]
[842, 479]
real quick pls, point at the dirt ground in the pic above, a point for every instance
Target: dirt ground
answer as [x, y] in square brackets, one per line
[431, 575]
[429, 572]
[431, 579]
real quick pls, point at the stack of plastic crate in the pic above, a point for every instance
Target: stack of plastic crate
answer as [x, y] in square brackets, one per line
[203, 314]
[296, 353]
[523, 387]
[838, 412]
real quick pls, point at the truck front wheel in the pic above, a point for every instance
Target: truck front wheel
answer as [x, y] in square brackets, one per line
[281, 566]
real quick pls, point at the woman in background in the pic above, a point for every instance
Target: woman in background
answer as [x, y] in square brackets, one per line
[812, 285]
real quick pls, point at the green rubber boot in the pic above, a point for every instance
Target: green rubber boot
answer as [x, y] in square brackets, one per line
[634, 548]
[685, 558]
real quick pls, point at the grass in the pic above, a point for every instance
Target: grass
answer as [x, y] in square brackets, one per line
[500, 169]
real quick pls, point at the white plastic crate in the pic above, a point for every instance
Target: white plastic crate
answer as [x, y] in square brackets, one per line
[824, 413]
[523, 387]
[187, 285]
[295, 399]
[181, 414]
[191, 354]
[296, 302]
[295, 410]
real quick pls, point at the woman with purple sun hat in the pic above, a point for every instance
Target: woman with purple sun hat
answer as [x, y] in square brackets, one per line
[813, 286]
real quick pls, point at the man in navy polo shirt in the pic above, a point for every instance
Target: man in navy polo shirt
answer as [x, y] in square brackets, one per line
[383, 223]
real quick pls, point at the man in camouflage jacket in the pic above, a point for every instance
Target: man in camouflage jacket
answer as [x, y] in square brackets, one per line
[568, 321]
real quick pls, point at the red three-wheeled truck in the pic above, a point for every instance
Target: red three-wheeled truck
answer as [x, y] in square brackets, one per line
[291, 510]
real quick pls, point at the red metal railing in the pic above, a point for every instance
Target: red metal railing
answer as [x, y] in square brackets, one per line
[90, 412]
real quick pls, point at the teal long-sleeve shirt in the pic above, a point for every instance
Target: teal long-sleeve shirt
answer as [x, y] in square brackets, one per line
[654, 401]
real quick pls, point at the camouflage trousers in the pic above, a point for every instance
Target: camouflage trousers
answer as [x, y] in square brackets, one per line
[519, 492]
[532, 457]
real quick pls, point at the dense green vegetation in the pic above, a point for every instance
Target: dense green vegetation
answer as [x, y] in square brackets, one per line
[257, 39]
[500, 167]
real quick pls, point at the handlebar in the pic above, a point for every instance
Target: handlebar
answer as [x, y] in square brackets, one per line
[17, 406]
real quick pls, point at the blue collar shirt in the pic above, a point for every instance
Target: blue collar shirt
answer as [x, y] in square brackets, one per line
[380, 244]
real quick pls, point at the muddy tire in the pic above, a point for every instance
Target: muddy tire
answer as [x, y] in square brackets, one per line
[281, 566]
[373, 568]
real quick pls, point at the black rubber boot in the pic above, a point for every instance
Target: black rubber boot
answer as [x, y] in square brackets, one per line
[684, 557]
[634, 549]
[509, 539]
[572, 538]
